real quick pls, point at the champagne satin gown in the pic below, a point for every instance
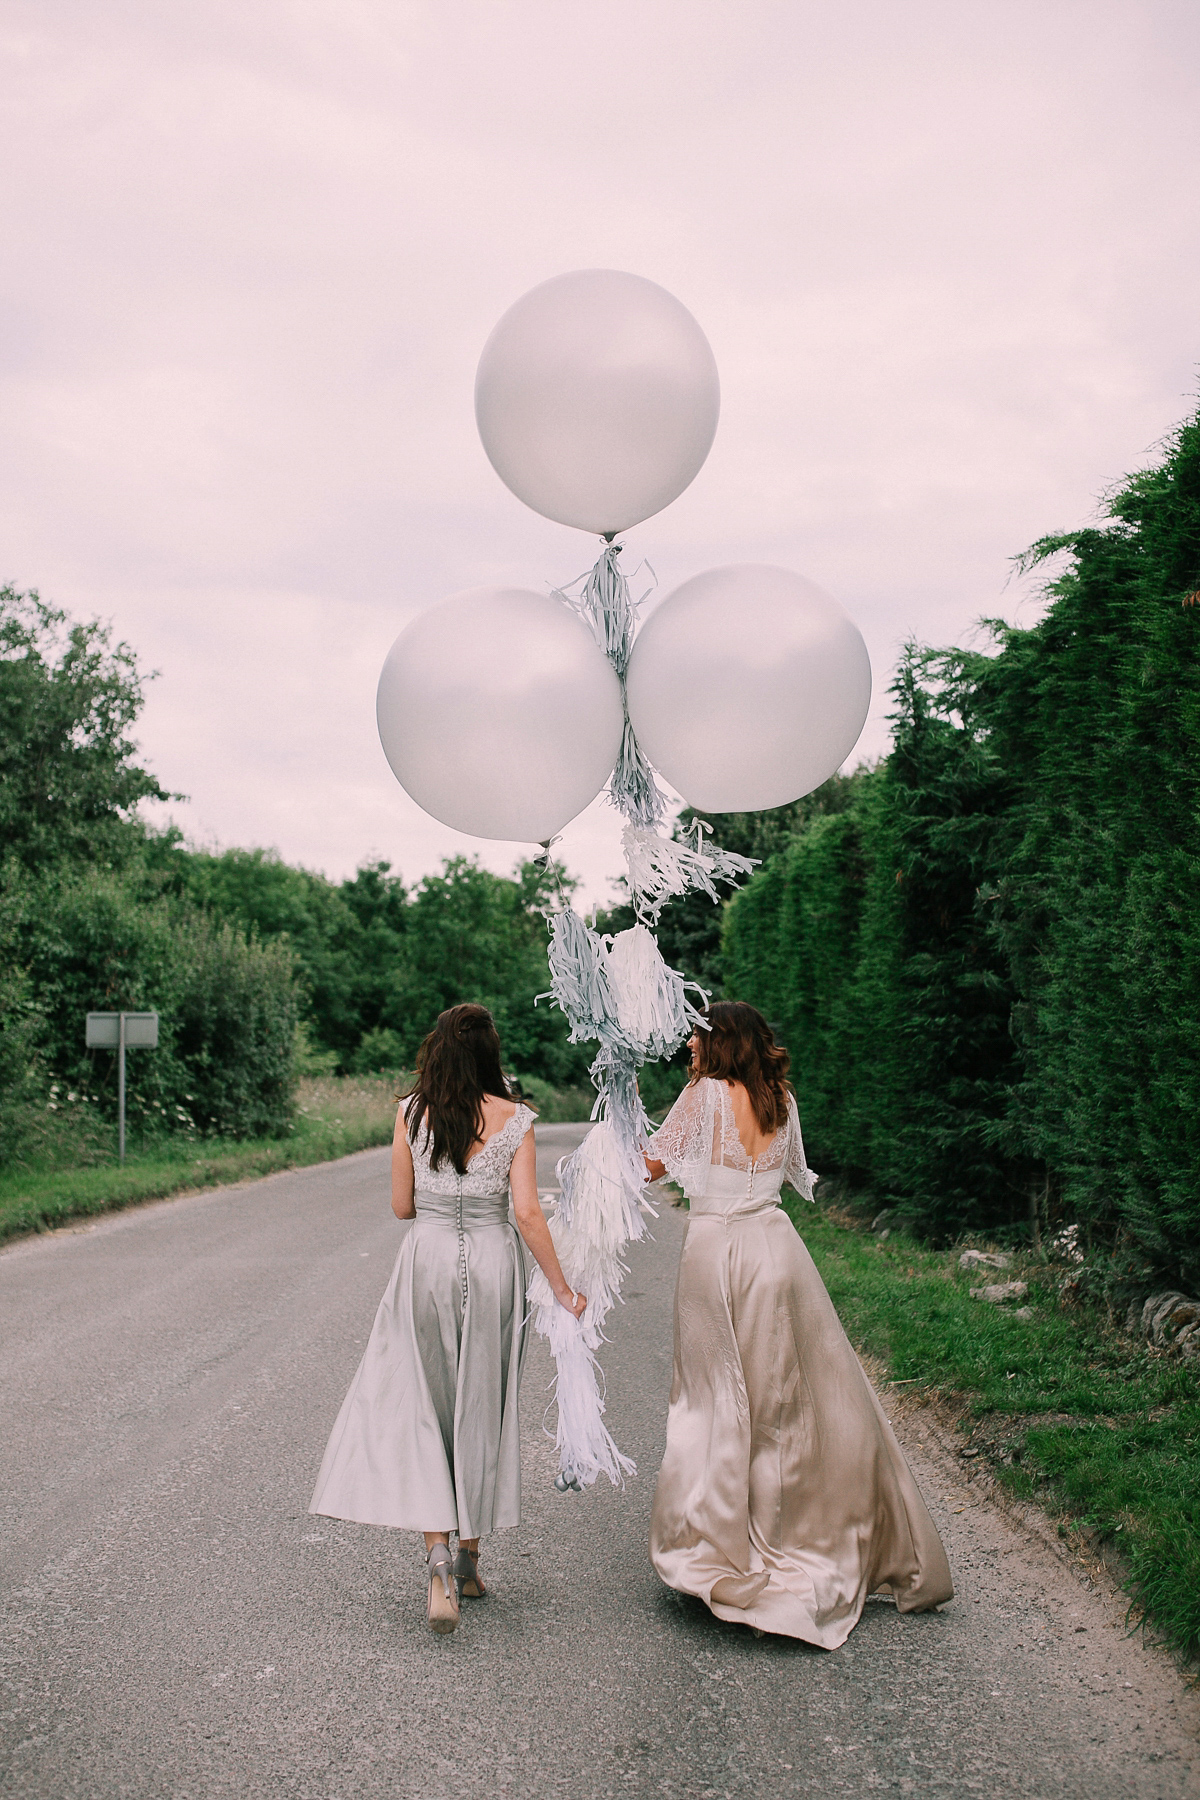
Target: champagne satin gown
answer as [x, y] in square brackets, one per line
[428, 1438]
[784, 1498]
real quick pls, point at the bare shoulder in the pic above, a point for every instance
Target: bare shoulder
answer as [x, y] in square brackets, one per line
[497, 1113]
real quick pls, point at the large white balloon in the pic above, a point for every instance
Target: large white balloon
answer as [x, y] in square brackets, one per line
[499, 713]
[748, 687]
[597, 399]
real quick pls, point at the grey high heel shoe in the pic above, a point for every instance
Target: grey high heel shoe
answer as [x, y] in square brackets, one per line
[441, 1609]
[466, 1574]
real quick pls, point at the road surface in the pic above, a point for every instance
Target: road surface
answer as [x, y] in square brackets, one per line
[176, 1624]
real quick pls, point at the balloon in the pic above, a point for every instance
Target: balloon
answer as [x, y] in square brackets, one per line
[499, 713]
[748, 687]
[597, 399]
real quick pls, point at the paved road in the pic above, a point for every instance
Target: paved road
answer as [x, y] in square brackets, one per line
[176, 1624]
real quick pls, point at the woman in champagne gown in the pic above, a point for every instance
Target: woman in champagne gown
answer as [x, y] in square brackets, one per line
[427, 1439]
[784, 1498]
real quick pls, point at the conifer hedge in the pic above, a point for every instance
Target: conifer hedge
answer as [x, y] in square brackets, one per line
[987, 969]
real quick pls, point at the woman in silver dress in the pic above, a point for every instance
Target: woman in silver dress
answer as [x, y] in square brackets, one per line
[783, 1499]
[427, 1439]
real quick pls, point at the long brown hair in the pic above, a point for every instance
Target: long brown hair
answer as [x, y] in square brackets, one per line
[458, 1065]
[738, 1046]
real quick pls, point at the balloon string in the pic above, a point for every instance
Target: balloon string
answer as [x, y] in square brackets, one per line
[550, 866]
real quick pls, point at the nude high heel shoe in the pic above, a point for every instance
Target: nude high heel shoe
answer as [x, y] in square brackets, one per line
[441, 1608]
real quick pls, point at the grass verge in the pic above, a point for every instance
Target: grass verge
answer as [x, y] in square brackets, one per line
[1067, 1410]
[334, 1118]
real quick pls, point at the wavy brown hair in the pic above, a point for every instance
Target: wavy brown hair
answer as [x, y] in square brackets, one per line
[739, 1046]
[458, 1066]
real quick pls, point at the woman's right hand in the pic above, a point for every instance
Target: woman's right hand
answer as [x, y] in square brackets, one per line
[534, 1229]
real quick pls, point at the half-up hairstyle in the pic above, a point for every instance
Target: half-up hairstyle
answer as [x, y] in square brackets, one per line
[738, 1046]
[457, 1066]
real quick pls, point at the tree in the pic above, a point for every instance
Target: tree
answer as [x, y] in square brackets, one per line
[1009, 1029]
[689, 928]
[69, 780]
[21, 1034]
[86, 940]
[472, 935]
[272, 901]
[376, 963]
[1096, 712]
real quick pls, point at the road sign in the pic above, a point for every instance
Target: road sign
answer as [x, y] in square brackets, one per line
[121, 1031]
[104, 1030]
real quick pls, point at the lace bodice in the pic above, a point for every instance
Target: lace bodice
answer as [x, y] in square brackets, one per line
[700, 1133]
[487, 1170]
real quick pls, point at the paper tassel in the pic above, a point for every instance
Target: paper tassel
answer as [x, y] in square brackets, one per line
[647, 998]
[618, 990]
[576, 958]
[632, 788]
[619, 993]
[589, 1226]
[586, 1447]
[619, 1107]
[602, 598]
[661, 868]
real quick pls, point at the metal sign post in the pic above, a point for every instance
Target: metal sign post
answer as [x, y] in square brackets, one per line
[120, 1032]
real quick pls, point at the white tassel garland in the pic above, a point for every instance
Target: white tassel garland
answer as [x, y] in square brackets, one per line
[647, 998]
[602, 598]
[661, 868]
[589, 1233]
[619, 993]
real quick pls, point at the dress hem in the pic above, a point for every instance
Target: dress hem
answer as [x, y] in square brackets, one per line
[318, 1512]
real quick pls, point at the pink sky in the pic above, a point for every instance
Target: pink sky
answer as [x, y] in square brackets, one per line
[947, 258]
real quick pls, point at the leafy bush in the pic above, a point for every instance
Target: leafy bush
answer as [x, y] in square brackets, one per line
[344, 939]
[21, 1084]
[377, 962]
[227, 1006]
[472, 935]
[986, 967]
[233, 1026]
[380, 1052]
[555, 1106]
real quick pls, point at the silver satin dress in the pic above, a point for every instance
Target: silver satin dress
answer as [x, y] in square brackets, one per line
[784, 1498]
[428, 1438]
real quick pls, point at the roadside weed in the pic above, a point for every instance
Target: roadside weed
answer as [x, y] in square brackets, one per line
[1069, 1411]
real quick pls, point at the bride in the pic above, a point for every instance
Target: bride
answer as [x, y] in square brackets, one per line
[783, 1498]
[427, 1437]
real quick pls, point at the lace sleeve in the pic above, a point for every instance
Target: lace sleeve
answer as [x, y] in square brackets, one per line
[684, 1141]
[795, 1167]
[521, 1122]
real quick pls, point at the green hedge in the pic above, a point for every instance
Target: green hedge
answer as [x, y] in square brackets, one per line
[987, 969]
[227, 1005]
